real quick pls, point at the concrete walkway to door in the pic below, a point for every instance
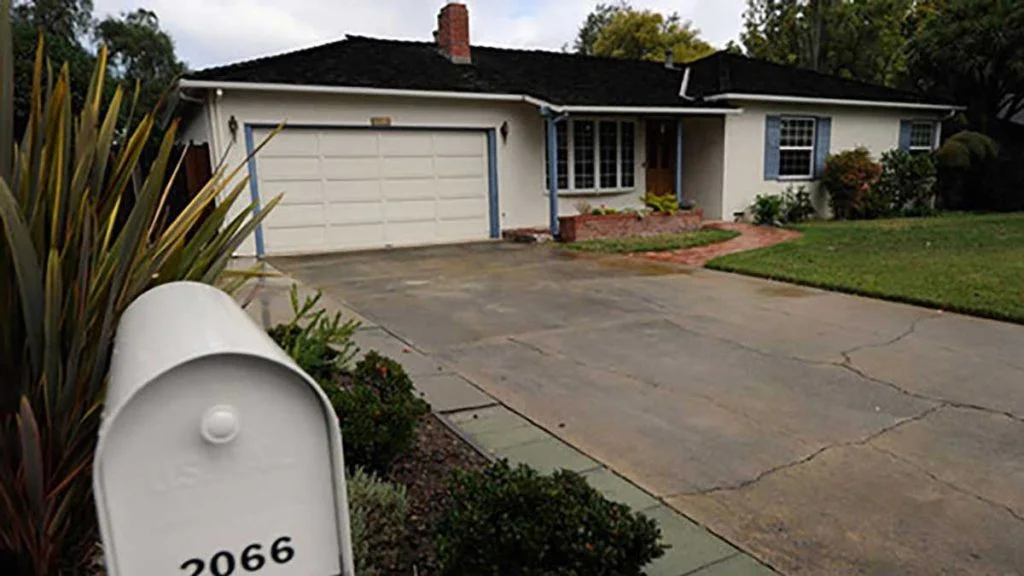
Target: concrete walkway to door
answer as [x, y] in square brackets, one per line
[824, 433]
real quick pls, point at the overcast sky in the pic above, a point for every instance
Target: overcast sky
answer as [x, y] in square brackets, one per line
[210, 32]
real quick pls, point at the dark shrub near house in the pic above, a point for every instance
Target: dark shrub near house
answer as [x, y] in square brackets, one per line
[378, 411]
[375, 402]
[849, 180]
[967, 168]
[906, 184]
[977, 173]
[507, 520]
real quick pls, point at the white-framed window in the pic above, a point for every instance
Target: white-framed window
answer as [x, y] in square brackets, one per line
[796, 147]
[594, 155]
[922, 136]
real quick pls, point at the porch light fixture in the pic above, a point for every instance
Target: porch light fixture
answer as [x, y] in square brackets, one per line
[504, 131]
[233, 128]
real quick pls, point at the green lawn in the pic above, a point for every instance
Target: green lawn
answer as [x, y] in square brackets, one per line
[654, 243]
[965, 263]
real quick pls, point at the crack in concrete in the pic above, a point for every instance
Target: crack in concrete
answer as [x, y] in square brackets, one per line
[906, 333]
[848, 365]
[808, 458]
[949, 484]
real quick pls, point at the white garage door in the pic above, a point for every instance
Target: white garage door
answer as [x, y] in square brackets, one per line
[348, 189]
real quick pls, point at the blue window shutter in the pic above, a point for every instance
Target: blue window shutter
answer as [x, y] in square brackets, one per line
[905, 134]
[772, 136]
[822, 145]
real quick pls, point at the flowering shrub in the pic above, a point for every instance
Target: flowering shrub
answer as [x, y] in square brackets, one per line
[849, 180]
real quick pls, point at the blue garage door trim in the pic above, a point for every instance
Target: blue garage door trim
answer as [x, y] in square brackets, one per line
[492, 164]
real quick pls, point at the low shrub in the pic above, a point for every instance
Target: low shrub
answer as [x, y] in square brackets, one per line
[378, 411]
[603, 210]
[907, 182]
[505, 520]
[796, 205]
[377, 515]
[320, 344]
[767, 209]
[849, 180]
[790, 207]
[583, 207]
[660, 203]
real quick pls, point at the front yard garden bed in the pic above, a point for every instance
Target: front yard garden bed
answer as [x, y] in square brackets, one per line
[972, 264]
[628, 224]
[437, 453]
[659, 243]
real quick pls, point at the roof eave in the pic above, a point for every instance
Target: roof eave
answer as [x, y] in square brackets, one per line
[194, 84]
[831, 101]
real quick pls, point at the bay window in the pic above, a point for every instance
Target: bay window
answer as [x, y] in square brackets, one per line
[594, 155]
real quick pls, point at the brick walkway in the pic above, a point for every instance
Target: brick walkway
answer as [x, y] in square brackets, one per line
[751, 237]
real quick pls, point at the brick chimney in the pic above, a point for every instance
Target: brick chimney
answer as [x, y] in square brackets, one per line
[453, 33]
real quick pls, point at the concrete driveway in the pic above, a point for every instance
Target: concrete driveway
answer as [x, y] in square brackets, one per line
[824, 433]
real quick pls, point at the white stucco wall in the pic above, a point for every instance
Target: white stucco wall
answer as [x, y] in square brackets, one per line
[877, 129]
[703, 139]
[197, 128]
[522, 197]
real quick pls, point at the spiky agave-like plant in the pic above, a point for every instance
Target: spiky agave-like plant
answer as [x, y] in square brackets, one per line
[80, 242]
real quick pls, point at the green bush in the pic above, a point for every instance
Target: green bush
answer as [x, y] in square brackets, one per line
[506, 520]
[603, 210]
[849, 181]
[968, 169]
[320, 344]
[790, 207]
[663, 203]
[767, 209]
[908, 182]
[796, 205]
[378, 411]
[377, 515]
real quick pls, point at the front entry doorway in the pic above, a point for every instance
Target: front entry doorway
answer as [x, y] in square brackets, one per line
[661, 156]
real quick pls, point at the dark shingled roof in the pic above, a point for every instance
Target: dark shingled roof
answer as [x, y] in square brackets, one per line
[727, 73]
[558, 78]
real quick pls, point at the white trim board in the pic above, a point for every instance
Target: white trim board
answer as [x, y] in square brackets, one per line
[487, 96]
[831, 101]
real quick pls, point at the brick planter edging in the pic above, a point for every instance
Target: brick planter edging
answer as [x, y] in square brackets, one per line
[593, 227]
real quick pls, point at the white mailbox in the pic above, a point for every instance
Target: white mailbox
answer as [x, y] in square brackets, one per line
[217, 454]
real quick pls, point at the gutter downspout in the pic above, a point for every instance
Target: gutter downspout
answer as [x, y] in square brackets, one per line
[685, 85]
[679, 160]
[552, 120]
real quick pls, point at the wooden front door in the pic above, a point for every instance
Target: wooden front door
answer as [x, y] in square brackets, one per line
[661, 157]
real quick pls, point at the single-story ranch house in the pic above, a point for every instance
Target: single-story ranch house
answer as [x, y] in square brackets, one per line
[395, 143]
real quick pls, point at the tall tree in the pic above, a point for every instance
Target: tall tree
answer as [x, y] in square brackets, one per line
[140, 52]
[859, 39]
[63, 23]
[971, 51]
[648, 35]
[595, 21]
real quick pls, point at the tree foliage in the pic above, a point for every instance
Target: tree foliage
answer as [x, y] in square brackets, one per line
[139, 50]
[141, 53]
[973, 52]
[621, 31]
[858, 39]
[595, 21]
[63, 22]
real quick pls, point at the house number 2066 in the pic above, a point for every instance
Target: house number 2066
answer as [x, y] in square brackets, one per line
[251, 559]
